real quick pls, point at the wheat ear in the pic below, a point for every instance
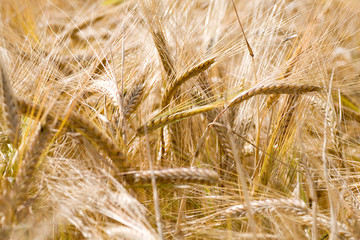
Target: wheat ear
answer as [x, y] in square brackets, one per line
[290, 206]
[175, 175]
[283, 88]
[192, 72]
[10, 107]
[162, 121]
[78, 123]
[161, 47]
[133, 99]
[95, 135]
[172, 138]
[220, 129]
[293, 207]
[167, 62]
[17, 196]
[31, 160]
[280, 88]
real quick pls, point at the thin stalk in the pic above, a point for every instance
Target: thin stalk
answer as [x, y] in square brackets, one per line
[154, 188]
[334, 230]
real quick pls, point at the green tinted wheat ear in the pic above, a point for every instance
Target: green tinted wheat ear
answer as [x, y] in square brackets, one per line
[9, 106]
[18, 195]
[31, 160]
[176, 175]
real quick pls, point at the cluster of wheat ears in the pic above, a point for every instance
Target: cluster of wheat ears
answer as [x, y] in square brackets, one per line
[191, 119]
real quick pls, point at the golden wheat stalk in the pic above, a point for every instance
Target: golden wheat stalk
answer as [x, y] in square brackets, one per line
[283, 88]
[9, 106]
[175, 175]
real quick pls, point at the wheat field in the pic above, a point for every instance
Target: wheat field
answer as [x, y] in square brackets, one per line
[192, 119]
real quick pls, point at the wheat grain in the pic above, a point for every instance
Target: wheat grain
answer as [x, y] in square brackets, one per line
[290, 206]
